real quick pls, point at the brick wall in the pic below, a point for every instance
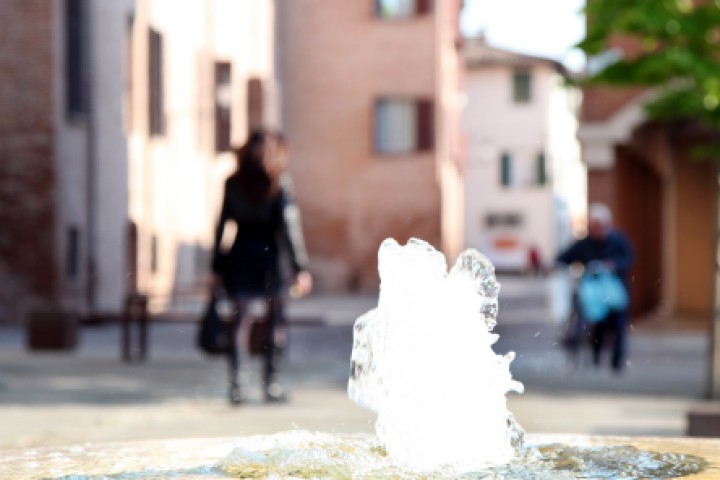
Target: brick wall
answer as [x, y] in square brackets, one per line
[26, 154]
[337, 60]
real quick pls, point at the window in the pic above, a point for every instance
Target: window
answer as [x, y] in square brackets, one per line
[403, 125]
[541, 169]
[223, 102]
[129, 71]
[72, 258]
[495, 220]
[153, 254]
[156, 107]
[131, 258]
[506, 170]
[522, 86]
[76, 100]
[401, 8]
[255, 103]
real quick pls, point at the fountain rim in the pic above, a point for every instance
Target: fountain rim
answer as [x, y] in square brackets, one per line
[206, 451]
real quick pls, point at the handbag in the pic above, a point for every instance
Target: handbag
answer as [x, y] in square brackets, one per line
[616, 296]
[600, 293]
[213, 338]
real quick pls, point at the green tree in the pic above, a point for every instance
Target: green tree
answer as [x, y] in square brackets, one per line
[678, 53]
[675, 51]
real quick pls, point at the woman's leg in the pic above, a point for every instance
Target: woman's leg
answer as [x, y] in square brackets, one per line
[233, 353]
[274, 350]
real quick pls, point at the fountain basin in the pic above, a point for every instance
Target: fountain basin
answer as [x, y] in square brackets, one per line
[199, 458]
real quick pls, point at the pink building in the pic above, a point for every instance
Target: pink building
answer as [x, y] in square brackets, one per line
[372, 109]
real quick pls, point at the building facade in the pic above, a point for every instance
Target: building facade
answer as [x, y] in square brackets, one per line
[371, 108]
[524, 181]
[662, 197]
[63, 198]
[118, 121]
[201, 75]
[116, 124]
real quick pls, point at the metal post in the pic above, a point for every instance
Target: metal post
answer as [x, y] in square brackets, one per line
[135, 313]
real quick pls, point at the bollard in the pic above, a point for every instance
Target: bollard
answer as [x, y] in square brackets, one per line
[135, 314]
[52, 328]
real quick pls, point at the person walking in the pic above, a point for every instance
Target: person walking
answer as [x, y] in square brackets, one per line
[258, 199]
[609, 247]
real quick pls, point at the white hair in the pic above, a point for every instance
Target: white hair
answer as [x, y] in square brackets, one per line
[600, 213]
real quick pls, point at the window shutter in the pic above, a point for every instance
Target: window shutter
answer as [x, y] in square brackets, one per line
[255, 103]
[425, 125]
[522, 86]
[129, 73]
[505, 169]
[156, 105]
[223, 103]
[76, 101]
[131, 257]
[541, 169]
[423, 7]
[154, 260]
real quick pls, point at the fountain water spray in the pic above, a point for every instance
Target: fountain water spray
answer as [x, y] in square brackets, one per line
[423, 361]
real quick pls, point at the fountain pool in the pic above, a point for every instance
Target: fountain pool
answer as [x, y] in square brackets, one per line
[323, 456]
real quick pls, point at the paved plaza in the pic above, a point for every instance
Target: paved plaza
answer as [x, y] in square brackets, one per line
[89, 395]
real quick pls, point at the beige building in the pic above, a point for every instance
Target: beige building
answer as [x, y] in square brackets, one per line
[202, 73]
[371, 108]
[116, 119]
[524, 181]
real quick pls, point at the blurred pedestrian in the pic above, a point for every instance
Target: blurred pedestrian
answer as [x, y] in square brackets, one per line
[535, 266]
[606, 245]
[258, 198]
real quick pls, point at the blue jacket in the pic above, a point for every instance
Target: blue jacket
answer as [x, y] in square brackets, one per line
[615, 247]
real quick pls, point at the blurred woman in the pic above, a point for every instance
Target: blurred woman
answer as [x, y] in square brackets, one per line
[258, 198]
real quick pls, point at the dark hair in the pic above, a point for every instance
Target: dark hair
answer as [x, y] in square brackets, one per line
[252, 175]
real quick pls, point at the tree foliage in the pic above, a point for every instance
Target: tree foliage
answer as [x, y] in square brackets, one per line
[676, 51]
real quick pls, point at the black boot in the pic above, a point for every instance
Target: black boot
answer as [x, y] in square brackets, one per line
[235, 394]
[233, 355]
[273, 391]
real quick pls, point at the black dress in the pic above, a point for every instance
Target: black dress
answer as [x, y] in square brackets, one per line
[265, 231]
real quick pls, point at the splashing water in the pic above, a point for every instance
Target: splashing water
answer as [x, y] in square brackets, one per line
[308, 455]
[423, 361]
